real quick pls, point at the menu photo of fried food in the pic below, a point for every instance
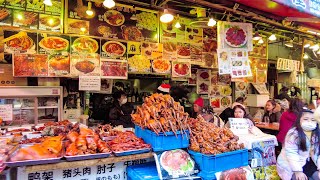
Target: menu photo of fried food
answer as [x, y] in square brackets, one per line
[78, 26]
[59, 65]
[82, 65]
[25, 18]
[18, 42]
[33, 65]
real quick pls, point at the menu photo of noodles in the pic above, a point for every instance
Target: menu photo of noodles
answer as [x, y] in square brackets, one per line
[20, 42]
[85, 65]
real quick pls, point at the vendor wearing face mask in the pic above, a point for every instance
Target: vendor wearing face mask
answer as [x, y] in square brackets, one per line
[118, 114]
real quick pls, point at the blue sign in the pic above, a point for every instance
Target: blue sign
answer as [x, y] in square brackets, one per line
[307, 6]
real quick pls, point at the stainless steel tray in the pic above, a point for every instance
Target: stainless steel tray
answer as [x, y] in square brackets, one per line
[131, 152]
[32, 162]
[87, 156]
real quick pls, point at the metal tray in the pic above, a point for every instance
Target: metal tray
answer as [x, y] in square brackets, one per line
[87, 156]
[131, 152]
[32, 162]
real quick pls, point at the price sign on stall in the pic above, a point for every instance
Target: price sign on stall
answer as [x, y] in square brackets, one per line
[89, 83]
[239, 125]
[6, 112]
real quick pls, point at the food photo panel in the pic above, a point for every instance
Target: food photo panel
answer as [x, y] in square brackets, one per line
[114, 69]
[85, 65]
[181, 69]
[113, 49]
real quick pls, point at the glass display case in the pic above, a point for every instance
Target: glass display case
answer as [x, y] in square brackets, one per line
[30, 105]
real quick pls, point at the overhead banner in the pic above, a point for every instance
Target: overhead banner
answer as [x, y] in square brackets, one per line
[311, 6]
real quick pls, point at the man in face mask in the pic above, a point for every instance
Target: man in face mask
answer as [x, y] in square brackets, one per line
[116, 115]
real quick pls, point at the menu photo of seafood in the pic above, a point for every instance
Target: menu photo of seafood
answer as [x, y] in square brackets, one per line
[139, 64]
[224, 62]
[30, 65]
[169, 49]
[5, 16]
[183, 50]
[113, 49]
[84, 45]
[114, 69]
[76, 26]
[241, 173]
[59, 65]
[234, 35]
[203, 75]
[50, 23]
[53, 44]
[152, 50]
[175, 164]
[193, 79]
[88, 65]
[25, 19]
[20, 42]
[181, 69]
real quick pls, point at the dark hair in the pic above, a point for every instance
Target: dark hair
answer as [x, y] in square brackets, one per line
[284, 89]
[301, 135]
[240, 100]
[273, 102]
[117, 95]
[119, 84]
[295, 106]
[240, 107]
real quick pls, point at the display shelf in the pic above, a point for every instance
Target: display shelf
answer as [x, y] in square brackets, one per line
[86, 163]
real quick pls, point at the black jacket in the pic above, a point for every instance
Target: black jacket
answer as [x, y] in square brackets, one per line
[121, 115]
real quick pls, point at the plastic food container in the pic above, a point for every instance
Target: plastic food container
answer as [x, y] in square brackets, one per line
[143, 171]
[210, 164]
[163, 142]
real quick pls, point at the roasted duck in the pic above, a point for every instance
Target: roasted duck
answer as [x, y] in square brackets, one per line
[50, 148]
[207, 138]
[160, 113]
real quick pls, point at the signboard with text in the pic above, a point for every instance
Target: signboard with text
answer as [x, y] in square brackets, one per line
[308, 6]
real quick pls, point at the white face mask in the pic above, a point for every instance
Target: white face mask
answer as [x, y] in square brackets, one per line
[123, 101]
[309, 126]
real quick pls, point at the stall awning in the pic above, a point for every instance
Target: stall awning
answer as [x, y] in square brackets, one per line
[288, 9]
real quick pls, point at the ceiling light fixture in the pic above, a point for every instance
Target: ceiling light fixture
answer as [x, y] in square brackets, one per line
[166, 17]
[47, 2]
[256, 36]
[260, 41]
[305, 56]
[89, 10]
[289, 43]
[177, 25]
[307, 45]
[212, 22]
[315, 47]
[109, 3]
[272, 37]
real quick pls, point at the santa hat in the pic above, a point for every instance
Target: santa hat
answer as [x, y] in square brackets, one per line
[164, 88]
[199, 102]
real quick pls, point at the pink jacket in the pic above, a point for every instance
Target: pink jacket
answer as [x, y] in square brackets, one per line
[287, 119]
[292, 159]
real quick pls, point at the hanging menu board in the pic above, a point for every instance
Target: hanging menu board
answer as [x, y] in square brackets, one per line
[32, 14]
[122, 22]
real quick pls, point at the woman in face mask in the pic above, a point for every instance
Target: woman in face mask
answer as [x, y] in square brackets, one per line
[299, 157]
[116, 114]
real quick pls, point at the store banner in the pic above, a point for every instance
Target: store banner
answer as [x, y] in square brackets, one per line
[310, 7]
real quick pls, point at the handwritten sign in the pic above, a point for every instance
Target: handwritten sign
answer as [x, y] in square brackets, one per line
[6, 112]
[239, 125]
[89, 83]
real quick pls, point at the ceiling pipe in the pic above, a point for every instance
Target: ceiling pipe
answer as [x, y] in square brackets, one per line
[246, 14]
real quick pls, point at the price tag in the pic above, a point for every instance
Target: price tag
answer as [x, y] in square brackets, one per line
[6, 112]
[239, 125]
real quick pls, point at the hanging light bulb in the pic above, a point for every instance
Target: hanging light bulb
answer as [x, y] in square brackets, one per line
[212, 22]
[272, 37]
[260, 41]
[47, 2]
[256, 36]
[109, 3]
[305, 56]
[89, 10]
[166, 17]
[307, 45]
[177, 25]
[289, 44]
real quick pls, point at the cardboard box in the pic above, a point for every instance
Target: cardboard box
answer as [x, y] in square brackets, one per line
[257, 100]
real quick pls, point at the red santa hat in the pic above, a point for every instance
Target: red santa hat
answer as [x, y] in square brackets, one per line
[164, 88]
[199, 102]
